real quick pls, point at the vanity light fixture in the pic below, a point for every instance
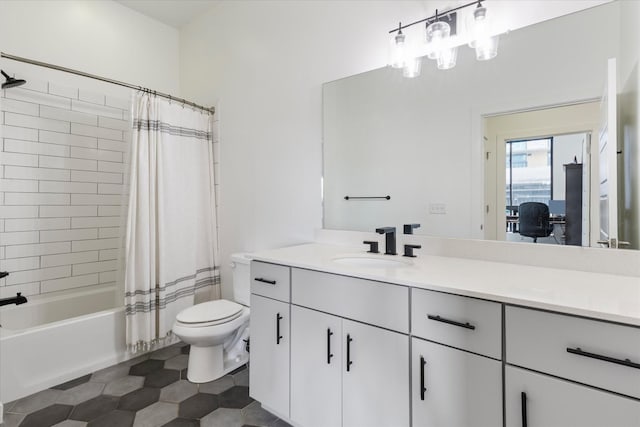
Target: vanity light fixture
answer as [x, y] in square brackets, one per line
[439, 43]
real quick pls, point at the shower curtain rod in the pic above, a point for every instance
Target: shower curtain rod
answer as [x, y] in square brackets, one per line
[104, 79]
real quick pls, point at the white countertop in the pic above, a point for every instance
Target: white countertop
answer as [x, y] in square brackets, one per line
[600, 296]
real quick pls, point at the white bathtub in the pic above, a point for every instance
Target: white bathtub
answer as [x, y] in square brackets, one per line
[50, 340]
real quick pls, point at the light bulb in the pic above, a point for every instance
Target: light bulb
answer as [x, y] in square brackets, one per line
[398, 51]
[436, 35]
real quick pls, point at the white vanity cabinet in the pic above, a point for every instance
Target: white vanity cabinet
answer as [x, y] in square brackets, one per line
[270, 337]
[345, 372]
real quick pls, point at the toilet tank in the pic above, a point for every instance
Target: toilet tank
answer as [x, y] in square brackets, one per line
[241, 277]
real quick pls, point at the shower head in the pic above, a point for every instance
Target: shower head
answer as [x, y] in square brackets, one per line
[11, 81]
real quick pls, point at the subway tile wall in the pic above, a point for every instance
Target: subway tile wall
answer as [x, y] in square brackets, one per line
[62, 180]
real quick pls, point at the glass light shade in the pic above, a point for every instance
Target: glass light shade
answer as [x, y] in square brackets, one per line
[436, 35]
[447, 58]
[479, 26]
[487, 48]
[398, 51]
[412, 68]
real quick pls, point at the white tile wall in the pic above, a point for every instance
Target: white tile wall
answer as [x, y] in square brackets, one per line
[62, 157]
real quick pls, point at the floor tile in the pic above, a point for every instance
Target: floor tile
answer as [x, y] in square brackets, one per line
[235, 397]
[110, 374]
[94, 408]
[12, 420]
[185, 349]
[135, 360]
[146, 367]
[72, 383]
[80, 393]
[182, 422]
[198, 406]
[217, 386]
[254, 414]
[124, 385]
[36, 401]
[165, 353]
[139, 399]
[156, 415]
[280, 423]
[183, 374]
[161, 378]
[177, 362]
[115, 418]
[242, 378]
[223, 417]
[47, 417]
[178, 391]
[71, 423]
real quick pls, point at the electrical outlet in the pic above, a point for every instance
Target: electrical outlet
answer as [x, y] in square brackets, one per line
[437, 209]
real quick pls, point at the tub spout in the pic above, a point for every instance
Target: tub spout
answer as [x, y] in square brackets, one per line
[17, 300]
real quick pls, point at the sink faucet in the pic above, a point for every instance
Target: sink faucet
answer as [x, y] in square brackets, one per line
[390, 239]
[17, 300]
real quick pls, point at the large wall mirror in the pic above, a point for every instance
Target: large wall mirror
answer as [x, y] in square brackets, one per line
[466, 152]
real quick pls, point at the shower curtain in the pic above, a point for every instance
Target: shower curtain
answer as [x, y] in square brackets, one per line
[171, 251]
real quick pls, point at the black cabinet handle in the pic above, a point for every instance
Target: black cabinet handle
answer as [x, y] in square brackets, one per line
[349, 362]
[3, 274]
[329, 354]
[625, 362]
[523, 400]
[451, 322]
[278, 336]
[260, 279]
[423, 389]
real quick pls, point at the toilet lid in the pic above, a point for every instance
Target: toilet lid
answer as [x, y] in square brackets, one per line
[209, 311]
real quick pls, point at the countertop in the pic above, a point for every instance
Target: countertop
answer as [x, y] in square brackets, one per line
[601, 296]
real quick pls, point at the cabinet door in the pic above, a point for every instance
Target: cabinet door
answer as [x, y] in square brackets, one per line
[316, 368]
[375, 377]
[460, 389]
[551, 402]
[269, 373]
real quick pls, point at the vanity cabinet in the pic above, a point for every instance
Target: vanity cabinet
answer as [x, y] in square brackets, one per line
[454, 388]
[537, 400]
[346, 373]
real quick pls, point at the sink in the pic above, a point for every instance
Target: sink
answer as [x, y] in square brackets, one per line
[371, 261]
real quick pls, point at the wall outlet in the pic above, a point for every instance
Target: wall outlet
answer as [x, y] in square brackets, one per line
[437, 208]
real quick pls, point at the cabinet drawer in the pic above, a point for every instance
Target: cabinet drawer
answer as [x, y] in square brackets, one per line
[467, 323]
[587, 351]
[376, 303]
[270, 280]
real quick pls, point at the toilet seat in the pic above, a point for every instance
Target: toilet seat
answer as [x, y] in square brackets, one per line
[209, 313]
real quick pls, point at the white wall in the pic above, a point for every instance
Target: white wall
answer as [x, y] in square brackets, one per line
[265, 62]
[98, 36]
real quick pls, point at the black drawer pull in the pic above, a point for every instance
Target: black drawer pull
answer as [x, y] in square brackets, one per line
[423, 389]
[260, 279]
[349, 362]
[451, 322]
[329, 354]
[278, 336]
[625, 362]
[523, 402]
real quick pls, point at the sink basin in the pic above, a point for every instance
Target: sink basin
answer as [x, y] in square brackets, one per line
[371, 261]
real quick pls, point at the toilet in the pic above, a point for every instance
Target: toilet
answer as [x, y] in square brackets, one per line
[218, 330]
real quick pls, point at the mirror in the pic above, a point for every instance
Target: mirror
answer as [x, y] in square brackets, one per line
[428, 142]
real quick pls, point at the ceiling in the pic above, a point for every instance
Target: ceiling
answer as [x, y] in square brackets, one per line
[175, 13]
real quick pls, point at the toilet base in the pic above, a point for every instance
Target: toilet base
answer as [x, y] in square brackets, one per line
[210, 363]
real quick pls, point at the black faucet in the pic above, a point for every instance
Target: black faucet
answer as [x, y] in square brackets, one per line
[17, 300]
[390, 239]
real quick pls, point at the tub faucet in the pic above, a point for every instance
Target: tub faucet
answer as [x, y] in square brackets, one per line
[390, 239]
[17, 300]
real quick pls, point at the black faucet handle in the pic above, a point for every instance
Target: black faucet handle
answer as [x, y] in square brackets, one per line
[385, 230]
[373, 246]
[3, 274]
[408, 250]
[408, 228]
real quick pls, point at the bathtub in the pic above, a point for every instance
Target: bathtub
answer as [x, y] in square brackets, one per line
[53, 339]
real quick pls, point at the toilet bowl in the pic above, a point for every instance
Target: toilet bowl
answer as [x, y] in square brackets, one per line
[217, 331]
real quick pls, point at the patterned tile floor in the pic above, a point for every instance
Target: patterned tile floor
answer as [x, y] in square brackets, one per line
[148, 391]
